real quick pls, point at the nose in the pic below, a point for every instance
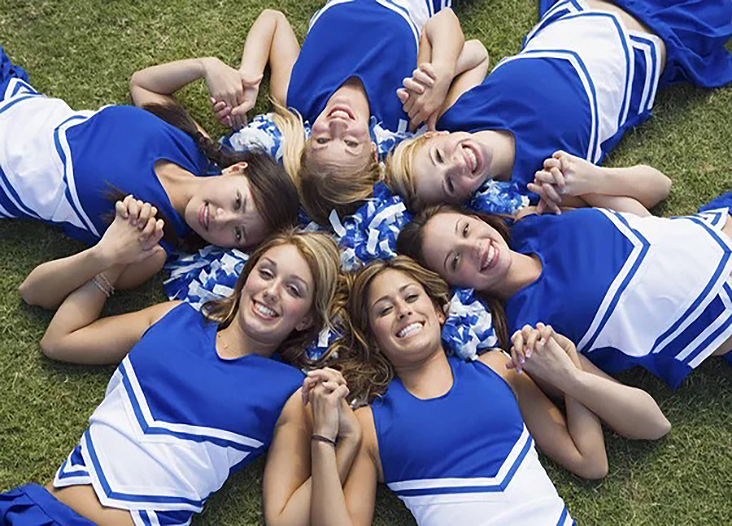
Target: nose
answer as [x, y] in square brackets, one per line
[272, 291]
[403, 309]
[224, 218]
[337, 127]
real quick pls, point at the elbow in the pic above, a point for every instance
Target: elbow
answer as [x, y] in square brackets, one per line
[660, 428]
[594, 469]
[478, 50]
[50, 347]
[30, 296]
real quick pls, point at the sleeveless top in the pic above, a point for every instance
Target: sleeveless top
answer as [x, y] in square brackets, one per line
[472, 464]
[177, 420]
[629, 290]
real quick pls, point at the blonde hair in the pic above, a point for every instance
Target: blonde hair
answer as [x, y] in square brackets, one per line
[322, 257]
[399, 169]
[292, 128]
[366, 369]
[323, 187]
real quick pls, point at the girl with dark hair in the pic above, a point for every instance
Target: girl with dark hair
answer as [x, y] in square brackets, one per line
[627, 290]
[354, 58]
[66, 168]
[196, 396]
[587, 72]
[455, 439]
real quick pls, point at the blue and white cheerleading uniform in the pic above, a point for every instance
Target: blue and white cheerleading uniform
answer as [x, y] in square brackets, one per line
[580, 81]
[375, 41]
[58, 165]
[467, 464]
[176, 421]
[629, 290]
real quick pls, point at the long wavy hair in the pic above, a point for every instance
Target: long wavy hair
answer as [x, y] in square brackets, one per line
[322, 256]
[273, 190]
[366, 369]
[411, 243]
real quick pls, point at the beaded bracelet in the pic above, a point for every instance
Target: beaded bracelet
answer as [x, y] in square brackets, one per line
[101, 287]
[321, 438]
[106, 282]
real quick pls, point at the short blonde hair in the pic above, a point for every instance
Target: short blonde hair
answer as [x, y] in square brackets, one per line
[399, 169]
[323, 259]
[292, 128]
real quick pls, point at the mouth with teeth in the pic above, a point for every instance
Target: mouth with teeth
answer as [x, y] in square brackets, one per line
[341, 112]
[263, 311]
[489, 257]
[204, 216]
[409, 330]
[473, 159]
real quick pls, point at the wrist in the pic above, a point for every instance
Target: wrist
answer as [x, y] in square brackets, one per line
[205, 64]
[318, 438]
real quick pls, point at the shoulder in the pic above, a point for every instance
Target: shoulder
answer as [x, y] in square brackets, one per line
[157, 312]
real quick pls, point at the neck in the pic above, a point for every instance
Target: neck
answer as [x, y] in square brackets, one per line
[354, 91]
[503, 146]
[179, 184]
[232, 342]
[427, 379]
[525, 269]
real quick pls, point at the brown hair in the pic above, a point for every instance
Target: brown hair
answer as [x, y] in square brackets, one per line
[321, 254]
[411, 243]
[366, 369]
[273, 190]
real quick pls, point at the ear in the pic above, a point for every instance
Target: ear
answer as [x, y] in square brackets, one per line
[375, 151]
[305, 323]
[237, 169]
[441, 316]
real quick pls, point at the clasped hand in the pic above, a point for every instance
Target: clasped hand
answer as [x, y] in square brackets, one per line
[134, 234]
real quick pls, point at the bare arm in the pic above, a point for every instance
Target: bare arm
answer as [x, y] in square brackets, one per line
[334, 505]
[271, 41]
[574, 440]
[287, 483]
[51, 282]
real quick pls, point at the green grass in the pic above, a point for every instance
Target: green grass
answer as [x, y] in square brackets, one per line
[84, 51]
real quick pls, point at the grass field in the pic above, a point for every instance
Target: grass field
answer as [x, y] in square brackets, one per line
[84, 51]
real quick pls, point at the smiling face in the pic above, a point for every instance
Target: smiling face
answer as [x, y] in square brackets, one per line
[223, 213]
[277, 296]
[466, 252]
[403, 318]
[340, 135]
[449, 167]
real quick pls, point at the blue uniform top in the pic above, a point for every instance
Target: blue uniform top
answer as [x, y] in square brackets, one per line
[118, 148]
[177, 420]
[371, 41]
[628, 290]
[440, 455]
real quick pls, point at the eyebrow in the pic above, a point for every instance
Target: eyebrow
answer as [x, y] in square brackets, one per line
[444, 263]
[386, 296]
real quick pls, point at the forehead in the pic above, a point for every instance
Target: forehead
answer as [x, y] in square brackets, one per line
[289, 261]
[427, 181]
[389, 283]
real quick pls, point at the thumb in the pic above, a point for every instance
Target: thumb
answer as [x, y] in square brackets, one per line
[403, 95]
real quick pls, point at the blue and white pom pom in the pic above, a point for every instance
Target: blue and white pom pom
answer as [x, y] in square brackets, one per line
[498, 197]
[371, 232]
[468, 330]
[209, 274]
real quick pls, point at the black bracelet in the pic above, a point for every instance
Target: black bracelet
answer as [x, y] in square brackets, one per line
[321, 438]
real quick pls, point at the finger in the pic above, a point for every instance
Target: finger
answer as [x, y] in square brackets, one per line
[428, 69]
[413, 85]
[120, 209]
[142, 220]
[134, 210]
[336, 375]
[432, 122]
[146, 229]
[517, 350]
[541, 206]
[531, 343]
[402, 95]
[558, 179]
[543, 176]
[342, 392]
[551, 162]
[423, 78]
[552, 194]
[217, 105]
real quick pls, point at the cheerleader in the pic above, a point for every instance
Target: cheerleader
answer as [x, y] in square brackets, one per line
[588, 71]
[627, 290]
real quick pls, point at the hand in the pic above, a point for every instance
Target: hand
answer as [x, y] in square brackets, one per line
[232, 92]
[326, 406]
[326, 375]
[424, 93]
[134, 234]
[565, 174]
[550, 185]
[543, 353]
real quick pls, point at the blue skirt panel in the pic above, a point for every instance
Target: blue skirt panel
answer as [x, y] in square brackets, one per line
[695, 33]
[8, 71]
[723, 201]
[33, 505]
